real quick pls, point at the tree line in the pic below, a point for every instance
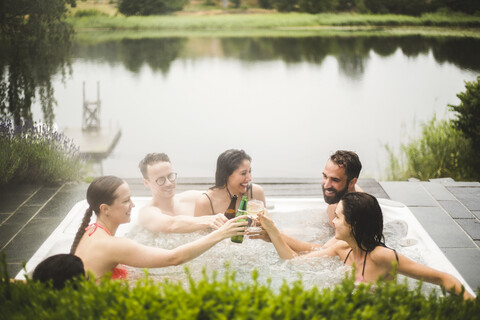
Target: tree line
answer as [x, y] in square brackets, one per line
[406, 7]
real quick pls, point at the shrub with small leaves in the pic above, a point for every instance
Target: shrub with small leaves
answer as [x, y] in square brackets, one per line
[212, 298]
[35, 153]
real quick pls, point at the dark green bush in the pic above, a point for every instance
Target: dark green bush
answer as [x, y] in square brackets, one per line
[89, 13]
[212, 298]
[285, 5]
[468, 112]
[441, 151]
[316, 6]
[149, 7]
[35, 153]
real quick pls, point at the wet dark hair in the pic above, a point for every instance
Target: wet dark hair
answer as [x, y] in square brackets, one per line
[364, 215]
[100, 191]
[59, 268]
[150, 159]
[227, 162]
[348, 160]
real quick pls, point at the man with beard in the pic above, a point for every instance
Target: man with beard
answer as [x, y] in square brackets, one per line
[339, 177]
[167, 211]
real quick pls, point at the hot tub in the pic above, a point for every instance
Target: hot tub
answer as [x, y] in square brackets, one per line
[302, 218]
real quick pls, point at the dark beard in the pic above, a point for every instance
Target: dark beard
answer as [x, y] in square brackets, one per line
[335, 198]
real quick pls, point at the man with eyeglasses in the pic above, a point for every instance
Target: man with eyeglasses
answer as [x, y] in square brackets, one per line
[169, 212]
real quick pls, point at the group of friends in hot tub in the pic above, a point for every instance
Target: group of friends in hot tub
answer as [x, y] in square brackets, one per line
[355, 216]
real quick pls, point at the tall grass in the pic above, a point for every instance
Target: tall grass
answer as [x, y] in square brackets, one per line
[441, 151]
[271, 21]
[35, 153]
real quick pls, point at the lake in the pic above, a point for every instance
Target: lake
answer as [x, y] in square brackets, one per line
[288, 102]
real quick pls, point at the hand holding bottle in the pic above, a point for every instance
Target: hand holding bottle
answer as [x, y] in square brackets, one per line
[233, 228]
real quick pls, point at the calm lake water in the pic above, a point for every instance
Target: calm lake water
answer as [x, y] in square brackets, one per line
[289, 102]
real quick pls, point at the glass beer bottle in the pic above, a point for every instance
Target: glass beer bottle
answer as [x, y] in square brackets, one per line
[242, 210]
[230, 213]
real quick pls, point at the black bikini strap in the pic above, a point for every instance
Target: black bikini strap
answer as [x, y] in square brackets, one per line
[364, 263]
[211, 204]
[347, 256]
[251, 191]
[396, 255]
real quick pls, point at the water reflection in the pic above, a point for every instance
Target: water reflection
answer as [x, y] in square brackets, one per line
[308, 96]
[156, 53]
[352, 53]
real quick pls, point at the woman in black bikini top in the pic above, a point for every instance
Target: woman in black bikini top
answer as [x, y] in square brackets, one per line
[232, 177]
[359, 227]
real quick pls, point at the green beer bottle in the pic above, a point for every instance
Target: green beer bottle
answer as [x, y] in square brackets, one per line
[242, 209]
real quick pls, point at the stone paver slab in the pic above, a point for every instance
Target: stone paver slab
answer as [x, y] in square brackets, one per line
[42, 196]
[476, 213]
[440, 226]
[10, 203]
[466, 261]
[7, 231]
[470, 197]
[461, 184]
[456, 210]
[23, 214]
[471, 226]
[438, 191]
[409, 193]
[61, 204]
[30, 238]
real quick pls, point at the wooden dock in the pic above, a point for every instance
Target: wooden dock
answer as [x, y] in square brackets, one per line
[96, 144]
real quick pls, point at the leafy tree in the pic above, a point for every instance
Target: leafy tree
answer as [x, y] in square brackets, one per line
[36, 43]
[265, 4]
[316, 6]
[285, 5]
[468, 118]
[149, 7]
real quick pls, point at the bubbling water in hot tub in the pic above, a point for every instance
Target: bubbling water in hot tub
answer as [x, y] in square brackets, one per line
[308, 224]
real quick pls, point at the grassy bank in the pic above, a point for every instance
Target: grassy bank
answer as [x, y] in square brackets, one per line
[272, 21]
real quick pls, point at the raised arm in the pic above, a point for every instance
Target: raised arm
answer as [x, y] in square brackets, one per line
[284, 251]
[129, 252]
[154, 220]
[419, 271]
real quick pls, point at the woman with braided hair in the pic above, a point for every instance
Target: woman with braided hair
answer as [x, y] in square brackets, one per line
[101, 252]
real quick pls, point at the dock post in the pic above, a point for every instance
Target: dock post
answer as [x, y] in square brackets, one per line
[91, 112]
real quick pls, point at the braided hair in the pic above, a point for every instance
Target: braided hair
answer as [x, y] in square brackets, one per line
[100, 191]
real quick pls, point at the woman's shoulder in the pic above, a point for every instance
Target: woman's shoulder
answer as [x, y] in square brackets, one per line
[256, 187]
[382, 254]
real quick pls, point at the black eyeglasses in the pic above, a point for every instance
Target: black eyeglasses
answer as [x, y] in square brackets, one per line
[172, 176]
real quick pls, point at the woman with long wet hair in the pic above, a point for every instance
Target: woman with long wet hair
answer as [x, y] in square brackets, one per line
[233, 177]
[101, 252]
[359, 228]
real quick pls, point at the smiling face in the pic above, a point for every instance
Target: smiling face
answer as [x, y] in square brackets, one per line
[334, 183]
[238, 181]
[342, 228]
[119, 211]
[158, 171]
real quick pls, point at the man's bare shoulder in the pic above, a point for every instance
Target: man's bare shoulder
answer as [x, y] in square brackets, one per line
[148, 210]
[189, 195]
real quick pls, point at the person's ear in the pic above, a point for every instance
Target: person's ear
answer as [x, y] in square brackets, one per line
[104, 208]
[351, 185]
[146, 183]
